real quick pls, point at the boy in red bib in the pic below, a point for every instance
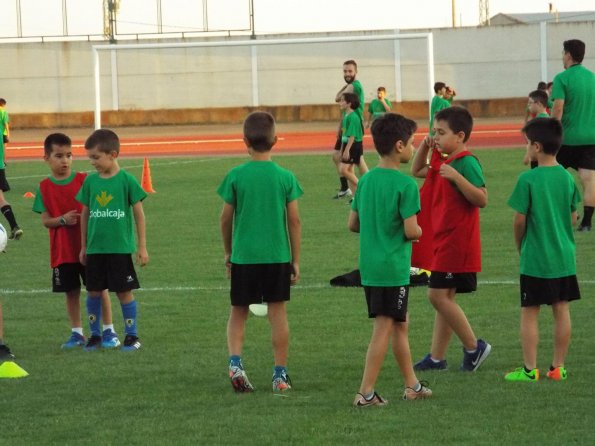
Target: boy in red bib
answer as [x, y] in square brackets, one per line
[457, 192]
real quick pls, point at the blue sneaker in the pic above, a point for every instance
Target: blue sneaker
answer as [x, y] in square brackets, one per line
[472, 361]
[74, 341]
[93, 343]
[131, 344]
[428, 364]
[109, 339]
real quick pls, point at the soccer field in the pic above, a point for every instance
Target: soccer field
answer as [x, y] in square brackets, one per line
[175, 390]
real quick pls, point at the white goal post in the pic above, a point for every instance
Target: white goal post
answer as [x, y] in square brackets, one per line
[253, 44]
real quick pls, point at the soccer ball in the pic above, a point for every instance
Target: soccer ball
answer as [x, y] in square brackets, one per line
[3, 238]
[259, 309]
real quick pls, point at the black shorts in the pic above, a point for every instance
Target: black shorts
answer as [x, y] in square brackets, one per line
[4, 187]
[260, 282]
[390, 301]
[355, 153]
[339, 143]
[536, 291]
[68, 277]
[577, 157]
[114, 272]
[463, 282]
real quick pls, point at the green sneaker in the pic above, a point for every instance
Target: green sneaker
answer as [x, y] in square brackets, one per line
[521, 375]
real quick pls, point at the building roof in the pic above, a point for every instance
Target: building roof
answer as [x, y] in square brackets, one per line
[518, 19]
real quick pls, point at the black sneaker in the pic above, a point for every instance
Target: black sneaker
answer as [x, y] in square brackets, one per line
[15, 233]
[5, 353]
[131, 343]
[583, 228]
[94, 343]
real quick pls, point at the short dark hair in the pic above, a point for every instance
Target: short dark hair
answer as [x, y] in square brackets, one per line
[390, 128]
[576, 49]
[547, 132]
[105, 140]
[55, 139]
[458, 119]
[539, 96]
[541, 85]
[439, 86]
[381, 89]
[352, 99]
[259, 131]
[549, 84]
[351, 62]
[2, 102]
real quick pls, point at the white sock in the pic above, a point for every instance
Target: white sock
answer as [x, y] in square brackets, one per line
[78, 330]
[109, 327]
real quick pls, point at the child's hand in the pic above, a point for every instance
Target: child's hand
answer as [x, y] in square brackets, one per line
[295, 273]
[429, 142]
[71, 217]
[526, 159]
[142, 256]
[83, 256]
[448, 172]
[227, 262]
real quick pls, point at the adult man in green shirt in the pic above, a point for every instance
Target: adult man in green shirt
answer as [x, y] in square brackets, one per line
[573, 94]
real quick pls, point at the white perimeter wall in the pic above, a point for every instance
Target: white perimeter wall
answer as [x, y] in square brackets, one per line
[481, 63]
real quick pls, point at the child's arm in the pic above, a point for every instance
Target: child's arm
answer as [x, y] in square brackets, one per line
[226, 224]
[348, 148]
[84, 224]
[294, 226]
[412, 229]
[419, 167]
[387, 105]
[558, 109]
[477, 196]
[519, 227]
[68, 219]
[142, 256]
[574, 218]
[353, 222]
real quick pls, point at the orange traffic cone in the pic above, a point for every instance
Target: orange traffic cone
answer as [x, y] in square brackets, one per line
[145, 181]
[29, 195]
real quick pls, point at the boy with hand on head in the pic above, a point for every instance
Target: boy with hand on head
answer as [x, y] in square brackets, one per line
[384, 212]
[111, 197]
[378, 106]
[352, 150]
[458, 193]
[545, 200]
[260, 198]
[60, 213]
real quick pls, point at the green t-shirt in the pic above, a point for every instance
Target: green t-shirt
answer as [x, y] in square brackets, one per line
[469, 167]
[576, 86]
[110, 229]
[4, 117]
[438, 103]
[3, 121]
[542, 115]
[376, 108]
[547, 196]
[259, 191]
[384, 199]
[359, 91]
[351, 126]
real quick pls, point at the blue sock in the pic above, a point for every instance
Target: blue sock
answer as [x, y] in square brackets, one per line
[94, 312]
[279, 370]
[129, 313]
[235, 361]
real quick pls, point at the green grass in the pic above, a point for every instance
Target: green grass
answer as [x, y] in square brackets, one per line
[176, 391]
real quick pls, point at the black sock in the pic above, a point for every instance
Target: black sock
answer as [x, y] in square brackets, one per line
[7, 211]
[527, 370]
[344, 185]
[588, 214]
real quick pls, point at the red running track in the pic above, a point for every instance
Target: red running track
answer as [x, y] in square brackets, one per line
[483, 136]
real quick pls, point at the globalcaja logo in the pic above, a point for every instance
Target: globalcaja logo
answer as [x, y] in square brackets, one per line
[104, 199]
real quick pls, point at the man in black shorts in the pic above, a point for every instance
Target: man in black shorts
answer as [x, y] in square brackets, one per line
[573, 94]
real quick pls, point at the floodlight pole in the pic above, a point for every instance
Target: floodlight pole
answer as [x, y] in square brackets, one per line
[253, 35]
[97, 86]
[430, 72]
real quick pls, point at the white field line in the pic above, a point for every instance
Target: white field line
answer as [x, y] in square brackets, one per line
[183, 289]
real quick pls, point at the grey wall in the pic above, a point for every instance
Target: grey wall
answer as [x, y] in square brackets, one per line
[481, 63]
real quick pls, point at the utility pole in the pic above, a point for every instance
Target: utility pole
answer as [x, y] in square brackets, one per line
[110, 9]
[253, 35]
[453, 11]
[484, 12]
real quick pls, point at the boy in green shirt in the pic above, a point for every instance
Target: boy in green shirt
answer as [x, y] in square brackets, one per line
[260, 198]
[352, 136]
[536, 108]
[378, 106]
[111, 197]
[15, 231]
[384, 212]
[545, 200]
[438, 103]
